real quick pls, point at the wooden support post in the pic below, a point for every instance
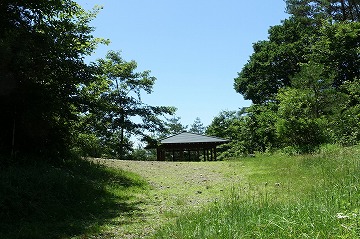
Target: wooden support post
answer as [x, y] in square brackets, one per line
[181, 154]
[160, 154]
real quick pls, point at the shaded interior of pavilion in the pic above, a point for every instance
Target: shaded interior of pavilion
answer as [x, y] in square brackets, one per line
[189, 147]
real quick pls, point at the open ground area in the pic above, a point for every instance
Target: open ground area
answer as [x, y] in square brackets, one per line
[265, 196]
[268, 196]
[176, 187]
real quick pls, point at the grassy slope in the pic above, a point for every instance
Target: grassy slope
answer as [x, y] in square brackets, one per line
[263, 197]
[314, 196]
[176, 187]
[77, 198]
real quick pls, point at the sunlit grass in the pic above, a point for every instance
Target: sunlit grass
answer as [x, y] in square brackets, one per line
[311, 196]
[269, 196]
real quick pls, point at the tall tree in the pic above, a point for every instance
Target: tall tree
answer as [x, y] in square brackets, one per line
[275, 61]
[119, 112]
[305, 71]
[306, 109]
[335, 10]
[42, 46]
[337, 47]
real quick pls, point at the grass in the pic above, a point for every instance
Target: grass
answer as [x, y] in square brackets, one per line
[267, 196]
[177, 187]
[78, 198]
[310, 196]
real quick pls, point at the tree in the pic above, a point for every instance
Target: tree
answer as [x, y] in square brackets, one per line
[316, 31]
[221, 125]
[173, 126]
[228, 125]
[346, 124]
[260, 134]
[42, 46]
[306, 109]
[335, 10]
[197, 127]
[275, 61]
[302, 79]
[119, 112]
[337, 48]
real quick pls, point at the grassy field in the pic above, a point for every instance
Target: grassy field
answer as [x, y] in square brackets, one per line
[175, 188]
[267, 196]
[311, 196]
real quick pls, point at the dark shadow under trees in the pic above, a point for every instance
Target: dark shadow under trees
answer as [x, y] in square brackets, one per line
[77, 198]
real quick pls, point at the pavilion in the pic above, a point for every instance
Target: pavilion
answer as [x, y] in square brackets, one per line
[188, 146]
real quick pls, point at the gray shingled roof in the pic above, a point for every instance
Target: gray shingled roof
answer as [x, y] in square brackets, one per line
[186, 137]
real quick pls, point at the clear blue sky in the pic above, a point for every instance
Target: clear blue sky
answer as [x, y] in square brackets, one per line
[193, 47]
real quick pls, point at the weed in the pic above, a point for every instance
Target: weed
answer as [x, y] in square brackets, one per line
[309, 196]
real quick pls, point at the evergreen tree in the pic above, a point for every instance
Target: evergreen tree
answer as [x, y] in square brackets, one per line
[197, 127]
[118, 112]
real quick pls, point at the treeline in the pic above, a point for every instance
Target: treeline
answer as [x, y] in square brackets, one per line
[55, 105]
[304, 82]
[52, 103]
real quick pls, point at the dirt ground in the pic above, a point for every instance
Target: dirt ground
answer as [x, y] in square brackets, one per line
[176, 188]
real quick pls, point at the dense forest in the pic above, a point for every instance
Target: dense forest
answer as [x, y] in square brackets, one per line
[303, 82]
[53, 104]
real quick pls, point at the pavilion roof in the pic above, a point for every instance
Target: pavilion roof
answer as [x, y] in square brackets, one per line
[186, 138]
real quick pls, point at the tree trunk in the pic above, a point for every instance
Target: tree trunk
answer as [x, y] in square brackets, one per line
[122, 136]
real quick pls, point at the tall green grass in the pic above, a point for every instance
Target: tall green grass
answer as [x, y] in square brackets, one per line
[308, 196]
[40, 200]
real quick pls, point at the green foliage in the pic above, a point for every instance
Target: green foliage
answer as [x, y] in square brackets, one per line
[197, 127]
[227, 125]
[334, 10]
[260, 127]
[42, 46]
[249, 130]
[346, 124]
[144, 154]
[308, 69]
[115, 103]
[337, 48]
[172, 126]
[304, 109]
[88, 145]
[275, 61]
